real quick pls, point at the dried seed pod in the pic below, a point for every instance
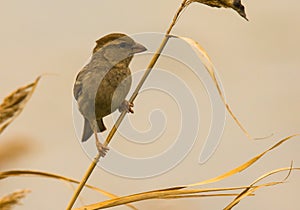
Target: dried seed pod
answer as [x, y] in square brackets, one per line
[13, 104]
[234, 4]
[8, 202]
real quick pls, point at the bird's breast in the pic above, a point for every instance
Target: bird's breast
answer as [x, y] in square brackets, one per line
[112, 90]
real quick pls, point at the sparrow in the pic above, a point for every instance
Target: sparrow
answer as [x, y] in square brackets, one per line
[103, 84]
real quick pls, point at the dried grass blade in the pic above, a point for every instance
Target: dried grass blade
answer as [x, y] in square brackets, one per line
[203, 195]
[157, 194]
[243, 166]
[14, 173]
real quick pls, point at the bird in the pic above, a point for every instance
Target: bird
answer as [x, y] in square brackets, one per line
[102, 85]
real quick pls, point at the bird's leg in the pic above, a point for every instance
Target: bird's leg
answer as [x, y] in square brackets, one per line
[100, 147]
[126, 106]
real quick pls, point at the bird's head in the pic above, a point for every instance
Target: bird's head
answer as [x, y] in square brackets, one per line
[116, 47]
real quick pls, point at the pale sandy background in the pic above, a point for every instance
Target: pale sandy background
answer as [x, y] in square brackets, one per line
[258, 63]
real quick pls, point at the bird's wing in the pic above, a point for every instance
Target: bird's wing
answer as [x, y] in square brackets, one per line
[88, 79]
[77, 89]
[81, 77]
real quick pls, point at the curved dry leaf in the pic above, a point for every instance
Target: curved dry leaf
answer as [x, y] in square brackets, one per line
[13, 104]
[14, 173]
[205, 59]
[234, 4]
[175, 194]
[243, 166]
[160, 194]
[8, 202]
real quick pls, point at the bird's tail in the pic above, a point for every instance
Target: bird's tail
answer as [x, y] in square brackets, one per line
[87, 130]
[101, 125]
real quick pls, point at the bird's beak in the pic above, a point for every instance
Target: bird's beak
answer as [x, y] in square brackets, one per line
[138, 48]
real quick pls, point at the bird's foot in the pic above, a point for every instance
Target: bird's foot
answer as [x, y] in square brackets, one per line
[126, 106]
[101, 148]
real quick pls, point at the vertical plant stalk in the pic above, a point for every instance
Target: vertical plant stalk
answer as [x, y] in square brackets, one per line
[132, 98]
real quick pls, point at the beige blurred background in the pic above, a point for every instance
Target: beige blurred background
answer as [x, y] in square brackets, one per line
[257, 61]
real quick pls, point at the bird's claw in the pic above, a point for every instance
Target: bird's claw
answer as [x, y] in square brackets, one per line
[101, 148]
[126, 106]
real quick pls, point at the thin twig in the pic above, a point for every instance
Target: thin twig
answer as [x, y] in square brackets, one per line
[132, 98]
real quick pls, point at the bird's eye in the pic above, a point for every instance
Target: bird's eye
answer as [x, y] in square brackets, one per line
[123, 45]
